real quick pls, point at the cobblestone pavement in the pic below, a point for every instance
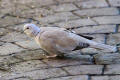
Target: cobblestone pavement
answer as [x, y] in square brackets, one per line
[21, 58]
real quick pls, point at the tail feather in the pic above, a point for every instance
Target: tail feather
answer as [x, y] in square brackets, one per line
[102, 46]
[87, 37]
[97, 45]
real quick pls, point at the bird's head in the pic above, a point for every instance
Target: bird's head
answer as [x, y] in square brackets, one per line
[31, 30]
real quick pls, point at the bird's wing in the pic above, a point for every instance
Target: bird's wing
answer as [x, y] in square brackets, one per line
[63, 41]
[72, 42]
[56, 28]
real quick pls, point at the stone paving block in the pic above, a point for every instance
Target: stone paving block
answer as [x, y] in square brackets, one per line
[13, 9]
[13, 6]
[100, 78]
[6, 60]
[63, 16]
[5, 3]
[39, 74]
[113, 39]
[37, 3]
[9, 48]
[115, 3]
[98, 37]
[63, 7]
[76, 23]
[117, 77]
[11, 76]
[3, 31]
[79, 77]
[5, 63]
[22, 79]
[17, 27]
[23, 8]
[45, 2]
[3, 73]
[1, 43]
[96, 29]
[89, 51]
[28, 66]
[15, 37]
[47, 73]
[84, 69]
[107, 58]
[97, 12]
[118, 27]
[83, 59]
[28, 44]
[1, 15]
[30, 54]
[9, 20]
[7, 75]
[92, 4]
[30, 3]
[108, 19]
[35, 12]
[63, 1]
[112, 69]
[60, 62]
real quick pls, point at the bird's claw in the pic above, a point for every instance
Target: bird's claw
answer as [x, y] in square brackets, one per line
[53, 56]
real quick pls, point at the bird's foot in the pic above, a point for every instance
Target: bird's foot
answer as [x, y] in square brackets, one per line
[53, 56]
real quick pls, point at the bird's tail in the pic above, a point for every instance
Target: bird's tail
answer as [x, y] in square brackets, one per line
[102, 46]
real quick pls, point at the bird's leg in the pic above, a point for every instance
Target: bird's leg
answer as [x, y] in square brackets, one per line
[53, 56]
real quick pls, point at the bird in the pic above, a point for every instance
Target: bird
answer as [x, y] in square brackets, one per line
[59, 41]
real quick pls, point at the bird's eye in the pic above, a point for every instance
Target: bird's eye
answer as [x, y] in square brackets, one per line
[27, 28]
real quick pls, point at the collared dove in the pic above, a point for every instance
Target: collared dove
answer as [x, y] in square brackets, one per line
[57, 41]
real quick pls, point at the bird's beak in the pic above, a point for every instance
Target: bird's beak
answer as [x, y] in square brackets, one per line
[23, 31]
